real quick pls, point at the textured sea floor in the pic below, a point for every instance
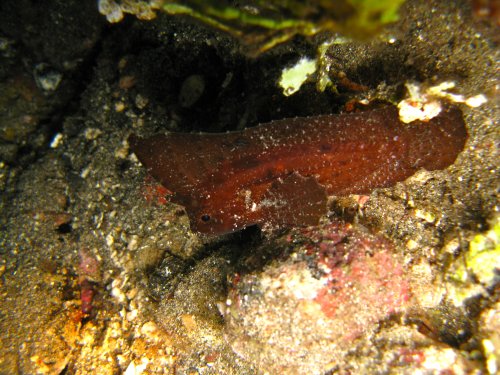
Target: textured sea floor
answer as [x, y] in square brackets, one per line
[100, 274]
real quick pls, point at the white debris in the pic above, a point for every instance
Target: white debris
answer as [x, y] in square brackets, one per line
[111, 10]
[134, 369]
[491, 356]
[412, 111]
[426, 105]
[476, 101]
[292, 78]
[56, 141]
[114, 10]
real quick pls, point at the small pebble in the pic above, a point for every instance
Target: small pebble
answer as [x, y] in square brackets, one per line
[191, 90]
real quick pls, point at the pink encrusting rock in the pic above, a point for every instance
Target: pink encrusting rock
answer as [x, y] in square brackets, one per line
[89, 270]
[303, 314]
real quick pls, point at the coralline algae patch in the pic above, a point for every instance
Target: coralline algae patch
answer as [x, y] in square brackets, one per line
[304, 314]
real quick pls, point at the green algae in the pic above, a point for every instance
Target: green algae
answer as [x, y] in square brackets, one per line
[479, 266]
[483, 256]
[261, 25]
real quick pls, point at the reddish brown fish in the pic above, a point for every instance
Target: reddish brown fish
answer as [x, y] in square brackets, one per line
[281, 172]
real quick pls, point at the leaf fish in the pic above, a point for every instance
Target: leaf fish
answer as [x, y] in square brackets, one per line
[281, 173]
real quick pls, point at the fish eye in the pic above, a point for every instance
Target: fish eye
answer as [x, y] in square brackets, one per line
[205, 218]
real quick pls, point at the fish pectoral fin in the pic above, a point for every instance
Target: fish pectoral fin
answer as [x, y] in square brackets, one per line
[295, 200]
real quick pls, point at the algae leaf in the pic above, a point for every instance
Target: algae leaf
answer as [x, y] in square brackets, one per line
[261, 25]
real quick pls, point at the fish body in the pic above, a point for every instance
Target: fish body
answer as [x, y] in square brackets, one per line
[281, 172]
